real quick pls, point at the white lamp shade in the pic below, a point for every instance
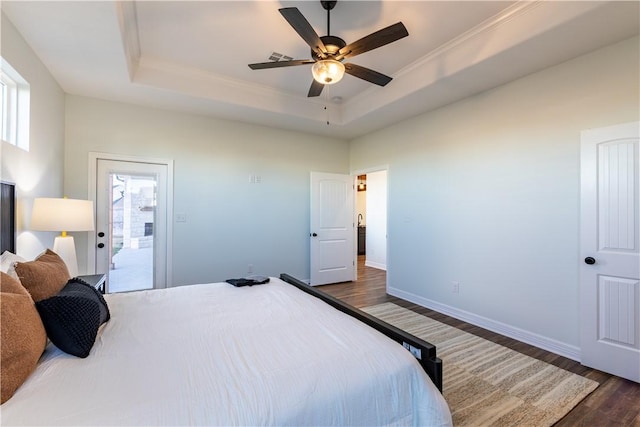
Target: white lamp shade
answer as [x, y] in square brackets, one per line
[62, 215]
[328, 71]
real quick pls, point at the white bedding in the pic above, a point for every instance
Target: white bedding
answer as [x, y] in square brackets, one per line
[214, 354]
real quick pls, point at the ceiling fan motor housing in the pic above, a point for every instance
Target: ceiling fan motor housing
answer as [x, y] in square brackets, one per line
[328, 5]
[333, 45]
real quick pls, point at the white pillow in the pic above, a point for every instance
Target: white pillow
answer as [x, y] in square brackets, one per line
[8, 263]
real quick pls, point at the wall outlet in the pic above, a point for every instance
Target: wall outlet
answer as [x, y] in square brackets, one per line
[455, 287]
[417, 353]
[181, 217]
[250, 268]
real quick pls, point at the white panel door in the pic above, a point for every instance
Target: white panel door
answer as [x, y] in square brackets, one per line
[610, 243]
[332, 229]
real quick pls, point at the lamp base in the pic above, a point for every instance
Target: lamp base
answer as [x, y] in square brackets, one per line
[65, 247]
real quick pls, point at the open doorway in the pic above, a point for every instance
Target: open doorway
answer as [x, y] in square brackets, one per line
[371, 213]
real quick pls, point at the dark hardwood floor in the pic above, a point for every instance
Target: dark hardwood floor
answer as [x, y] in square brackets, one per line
[616, 402]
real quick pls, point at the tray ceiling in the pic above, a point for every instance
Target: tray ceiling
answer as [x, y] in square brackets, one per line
[193, 56]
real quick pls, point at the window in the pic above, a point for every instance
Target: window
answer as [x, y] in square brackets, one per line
[15, 92]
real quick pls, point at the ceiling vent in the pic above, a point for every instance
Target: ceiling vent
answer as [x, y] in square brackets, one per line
[275, 56]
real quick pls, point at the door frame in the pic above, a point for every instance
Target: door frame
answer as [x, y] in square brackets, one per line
[354, 175]
[93, 169]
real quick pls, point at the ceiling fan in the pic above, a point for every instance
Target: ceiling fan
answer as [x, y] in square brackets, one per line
[329, 52]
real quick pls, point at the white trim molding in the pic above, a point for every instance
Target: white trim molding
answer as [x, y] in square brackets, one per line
[545, 343]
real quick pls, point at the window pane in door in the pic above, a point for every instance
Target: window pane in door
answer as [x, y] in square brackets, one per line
[133, 201]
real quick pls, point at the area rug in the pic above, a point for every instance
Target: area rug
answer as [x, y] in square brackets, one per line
[486, 384]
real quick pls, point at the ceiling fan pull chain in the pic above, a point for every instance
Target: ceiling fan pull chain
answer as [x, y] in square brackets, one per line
[327, 97]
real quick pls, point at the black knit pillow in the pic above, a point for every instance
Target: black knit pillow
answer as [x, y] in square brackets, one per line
[73, 316]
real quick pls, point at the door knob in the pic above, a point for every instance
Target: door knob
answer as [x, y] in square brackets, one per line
[101, 245]
[590, 260]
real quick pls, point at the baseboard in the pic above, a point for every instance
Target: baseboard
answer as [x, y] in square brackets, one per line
[375, 265]
[545, 343]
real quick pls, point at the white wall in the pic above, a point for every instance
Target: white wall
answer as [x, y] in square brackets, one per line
[230, 222]
[376, 220]
[39, 171]
[486, 192]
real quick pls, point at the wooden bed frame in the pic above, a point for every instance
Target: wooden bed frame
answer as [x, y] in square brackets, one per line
[423, 351]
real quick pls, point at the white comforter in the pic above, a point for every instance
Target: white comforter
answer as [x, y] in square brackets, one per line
[217, 355]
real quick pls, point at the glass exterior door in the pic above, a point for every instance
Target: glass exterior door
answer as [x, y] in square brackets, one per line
[129, 221]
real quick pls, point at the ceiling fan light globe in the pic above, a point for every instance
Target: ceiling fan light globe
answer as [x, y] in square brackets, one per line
[328, 71]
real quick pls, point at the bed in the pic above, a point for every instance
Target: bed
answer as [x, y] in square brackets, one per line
[281, 353]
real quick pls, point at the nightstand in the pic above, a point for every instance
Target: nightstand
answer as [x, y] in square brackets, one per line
[98, 281]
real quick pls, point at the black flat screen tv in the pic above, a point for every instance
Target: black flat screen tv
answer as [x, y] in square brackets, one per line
[7, 217]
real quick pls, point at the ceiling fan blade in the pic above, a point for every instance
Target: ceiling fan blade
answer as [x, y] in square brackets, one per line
[279, 64]
[315, 89]
[374, 40]
[367, 74]
[299, 23]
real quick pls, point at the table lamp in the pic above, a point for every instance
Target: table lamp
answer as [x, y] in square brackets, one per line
[63, 215]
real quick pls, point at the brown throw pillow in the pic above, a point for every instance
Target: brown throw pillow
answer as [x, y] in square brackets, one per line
[45, 276]
[23, 337]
